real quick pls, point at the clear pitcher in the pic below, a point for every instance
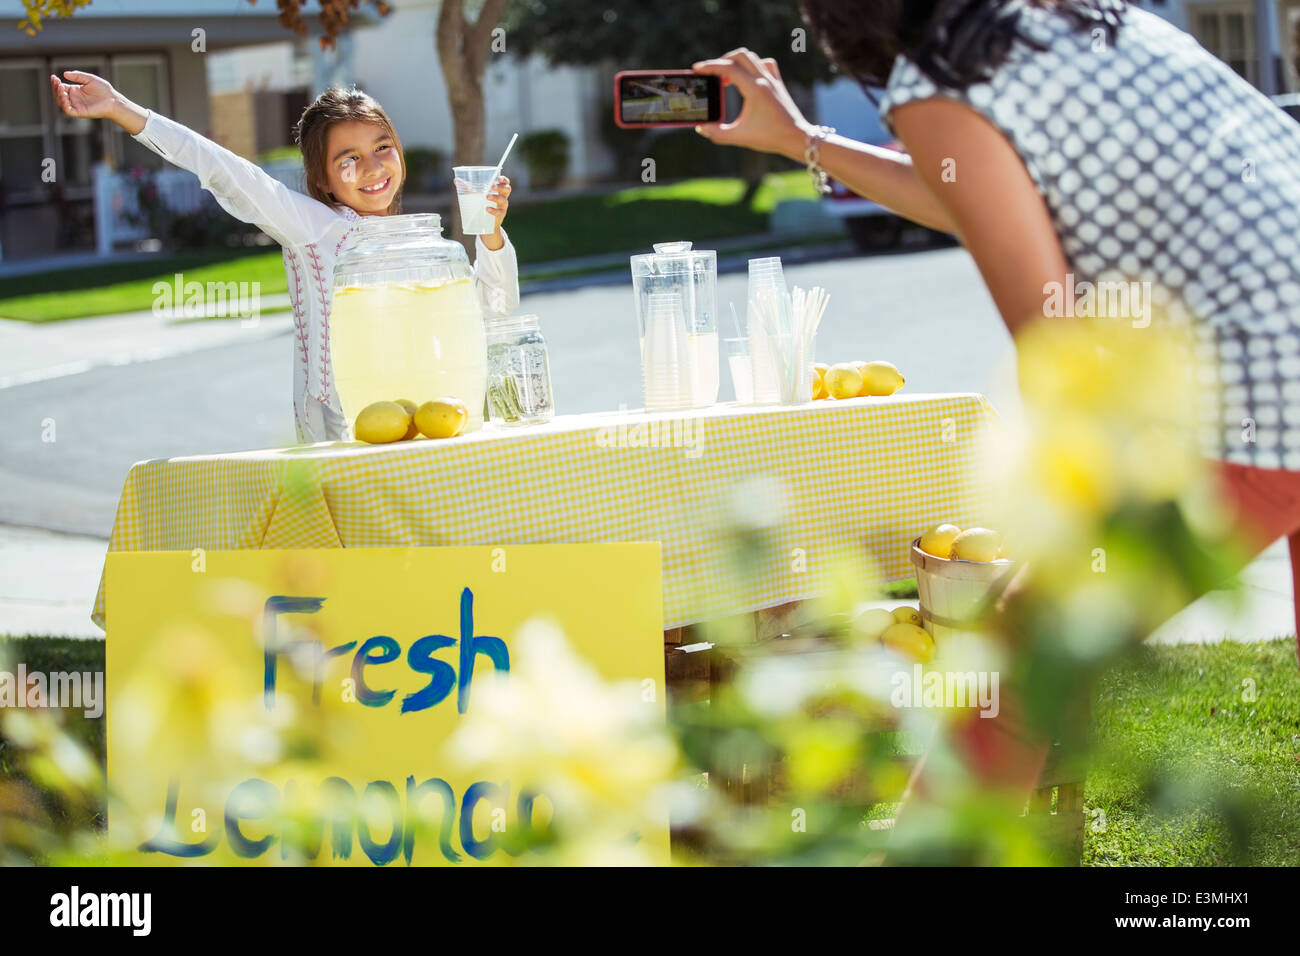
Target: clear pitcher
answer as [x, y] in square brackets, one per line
[691, 275]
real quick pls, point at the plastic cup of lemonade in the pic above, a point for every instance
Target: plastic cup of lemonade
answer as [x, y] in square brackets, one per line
[472, 185]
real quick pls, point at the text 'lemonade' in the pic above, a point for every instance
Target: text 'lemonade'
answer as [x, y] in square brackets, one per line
[415, 340]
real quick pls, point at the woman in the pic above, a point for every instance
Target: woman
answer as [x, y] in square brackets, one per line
[1082, 140]
[354, 167]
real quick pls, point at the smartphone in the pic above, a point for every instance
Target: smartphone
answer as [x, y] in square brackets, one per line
[651, 98]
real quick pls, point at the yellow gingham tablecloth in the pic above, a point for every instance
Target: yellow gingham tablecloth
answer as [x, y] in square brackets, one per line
[864, 476]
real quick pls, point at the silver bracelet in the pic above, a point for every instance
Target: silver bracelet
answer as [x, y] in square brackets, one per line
[812, 156]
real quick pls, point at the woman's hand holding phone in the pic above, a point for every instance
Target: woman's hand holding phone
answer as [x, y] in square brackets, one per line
[769, 120]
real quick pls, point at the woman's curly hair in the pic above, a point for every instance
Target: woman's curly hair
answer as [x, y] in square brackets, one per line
[953, 42]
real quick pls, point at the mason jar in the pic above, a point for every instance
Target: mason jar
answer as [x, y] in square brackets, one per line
[518, 371]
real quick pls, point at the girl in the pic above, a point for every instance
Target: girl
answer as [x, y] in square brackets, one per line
[1070, 140]
[354, 167]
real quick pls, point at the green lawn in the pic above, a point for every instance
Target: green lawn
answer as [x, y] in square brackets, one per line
[103, 291]
[1185, 772]
[626, 221]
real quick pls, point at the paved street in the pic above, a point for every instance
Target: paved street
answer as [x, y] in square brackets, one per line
[121, 390]
[235, 394]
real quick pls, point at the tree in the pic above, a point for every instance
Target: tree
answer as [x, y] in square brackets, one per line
[669, 33]
[463, 47]
[463, 44]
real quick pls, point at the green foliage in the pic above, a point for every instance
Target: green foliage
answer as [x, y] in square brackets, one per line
[546, 152]
[52, 763]
[426, 169]
[279, 154]
[663, 35]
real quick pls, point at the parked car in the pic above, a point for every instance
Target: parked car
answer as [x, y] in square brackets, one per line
[844, 105]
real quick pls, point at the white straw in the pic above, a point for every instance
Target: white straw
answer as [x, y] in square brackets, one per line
[509, 146]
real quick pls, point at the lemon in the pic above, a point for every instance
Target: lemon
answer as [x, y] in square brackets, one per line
[382, 422]
[938, 540]
[871, 622]
[819, 380]
[907, 615]
[909, 640]
[410, 407]
[881, 378]
[442, 417]
[977, 544]
[843, 381]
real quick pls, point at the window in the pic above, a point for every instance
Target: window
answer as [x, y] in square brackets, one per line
[1229, 33]
[22, 130]
[143, 80]
[80, 142]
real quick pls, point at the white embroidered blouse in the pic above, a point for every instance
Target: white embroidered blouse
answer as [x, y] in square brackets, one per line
[312, 235]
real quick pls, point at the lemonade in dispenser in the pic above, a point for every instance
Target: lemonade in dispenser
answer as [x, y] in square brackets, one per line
[406, 321]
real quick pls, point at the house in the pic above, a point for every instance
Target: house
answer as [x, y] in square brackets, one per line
[395, 60]
[1260, 39]
[155, 51]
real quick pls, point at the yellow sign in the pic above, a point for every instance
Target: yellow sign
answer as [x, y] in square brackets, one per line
[383, 706]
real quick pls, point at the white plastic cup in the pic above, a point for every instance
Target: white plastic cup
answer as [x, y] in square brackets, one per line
[742, 370]
[472, 186]
[666, 374]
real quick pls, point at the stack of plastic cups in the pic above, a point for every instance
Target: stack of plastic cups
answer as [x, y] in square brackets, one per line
[765, 277]
[666, 374]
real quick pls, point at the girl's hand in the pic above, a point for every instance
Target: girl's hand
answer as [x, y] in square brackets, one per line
[92, 97]
[769, 120]
[499, 198]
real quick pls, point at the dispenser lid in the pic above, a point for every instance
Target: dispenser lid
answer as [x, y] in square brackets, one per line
[674, 258]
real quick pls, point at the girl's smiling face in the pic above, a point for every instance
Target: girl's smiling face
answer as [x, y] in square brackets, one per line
[362, 166]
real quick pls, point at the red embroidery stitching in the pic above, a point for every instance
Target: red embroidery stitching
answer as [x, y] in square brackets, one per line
[295, 299]
[322, 294]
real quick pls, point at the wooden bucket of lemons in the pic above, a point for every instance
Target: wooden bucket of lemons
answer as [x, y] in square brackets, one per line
[953, 590]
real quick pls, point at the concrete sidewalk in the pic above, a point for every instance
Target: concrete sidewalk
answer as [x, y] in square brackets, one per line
[36, 351]
[48, 583]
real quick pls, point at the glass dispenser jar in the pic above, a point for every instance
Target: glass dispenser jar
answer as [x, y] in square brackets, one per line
[406, 321]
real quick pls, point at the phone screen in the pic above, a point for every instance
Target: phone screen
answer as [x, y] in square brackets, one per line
[668, 98]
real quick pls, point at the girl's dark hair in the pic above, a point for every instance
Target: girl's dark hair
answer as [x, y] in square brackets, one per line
[312, 131]
[953, 42]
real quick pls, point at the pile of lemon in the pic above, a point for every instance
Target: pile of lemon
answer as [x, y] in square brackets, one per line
[855, 379]
[899, 629]
[948, 541]
[400, 420]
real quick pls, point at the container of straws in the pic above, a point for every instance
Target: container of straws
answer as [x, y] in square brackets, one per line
[782, 333]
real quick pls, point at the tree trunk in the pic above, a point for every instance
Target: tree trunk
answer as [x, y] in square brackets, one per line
[463, 48]
[753, 167]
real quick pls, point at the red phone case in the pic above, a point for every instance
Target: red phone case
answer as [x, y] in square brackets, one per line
[618, 120]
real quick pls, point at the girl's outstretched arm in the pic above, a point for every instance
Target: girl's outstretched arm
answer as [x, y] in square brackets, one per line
[242, 188]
